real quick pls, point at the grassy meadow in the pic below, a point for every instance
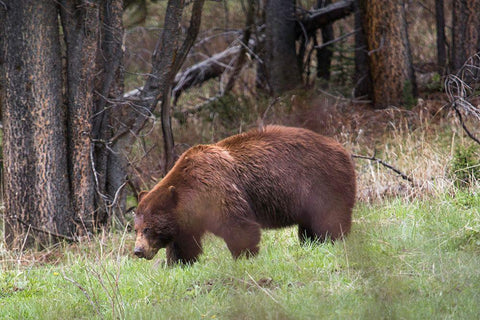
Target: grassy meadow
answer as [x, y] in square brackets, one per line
[405, 259]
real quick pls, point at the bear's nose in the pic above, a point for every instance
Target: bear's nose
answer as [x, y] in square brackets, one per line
[139, 252]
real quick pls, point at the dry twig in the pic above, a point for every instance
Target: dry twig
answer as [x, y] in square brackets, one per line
[462, 88]
[383, 163]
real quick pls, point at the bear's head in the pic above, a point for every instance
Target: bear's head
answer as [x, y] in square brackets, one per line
[155, 224]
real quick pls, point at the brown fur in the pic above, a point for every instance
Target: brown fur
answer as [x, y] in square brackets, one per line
[270, 178]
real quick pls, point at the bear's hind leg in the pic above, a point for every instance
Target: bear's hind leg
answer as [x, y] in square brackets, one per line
[242, 238]
[184, 250]
[331, 227]
[305, 234]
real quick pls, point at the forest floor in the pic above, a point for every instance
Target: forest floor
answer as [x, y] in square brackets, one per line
[413, 252]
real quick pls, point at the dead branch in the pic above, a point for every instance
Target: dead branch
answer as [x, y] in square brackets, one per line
[459, 114]
[210, 68]
[50, 233]
[240, 60]
[462, 88]
[341, 38]
[85, 293]
[383, 163]
[316, 19]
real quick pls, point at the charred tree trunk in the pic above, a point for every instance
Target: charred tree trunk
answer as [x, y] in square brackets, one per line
[465, 32]
[282, 67]
[362, 77]
[60, 118]
[80, 25]
[93, 38]
[390, 62]
[324, 55]
[35, 148]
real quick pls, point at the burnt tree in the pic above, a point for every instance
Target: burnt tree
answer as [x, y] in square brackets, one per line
[282, 68]
[35, 144]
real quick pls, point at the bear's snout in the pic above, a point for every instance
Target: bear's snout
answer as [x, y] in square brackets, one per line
[139, 252]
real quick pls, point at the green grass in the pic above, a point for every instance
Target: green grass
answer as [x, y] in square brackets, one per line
[405, 259]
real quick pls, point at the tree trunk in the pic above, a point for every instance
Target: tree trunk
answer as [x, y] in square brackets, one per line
[93, 37]
[282, 67]
[167, 59]
[390, 62]
[324, 55]
[80, 25]
[362, 77]
[110, 117]
[441, 39]
[465, 31]
[35, 149]
[65, 156]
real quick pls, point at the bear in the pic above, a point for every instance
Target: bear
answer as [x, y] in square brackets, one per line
[271, 177]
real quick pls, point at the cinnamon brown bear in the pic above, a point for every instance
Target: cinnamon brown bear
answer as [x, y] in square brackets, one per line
[269, 178]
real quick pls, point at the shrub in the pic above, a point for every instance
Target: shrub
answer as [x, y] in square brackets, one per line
[465, 165]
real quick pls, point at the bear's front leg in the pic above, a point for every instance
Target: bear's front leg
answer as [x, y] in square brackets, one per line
[184, 249]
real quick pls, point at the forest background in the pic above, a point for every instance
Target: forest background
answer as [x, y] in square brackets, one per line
[99, 99]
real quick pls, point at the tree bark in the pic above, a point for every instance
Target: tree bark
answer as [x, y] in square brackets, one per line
[362, 77]
[111, 116]
[324, 55]
[441, 39]
[58, 129]
[390, 61]
[93, 36]
[36, 163]
[80, 24]
[465, 31]
[282, 67]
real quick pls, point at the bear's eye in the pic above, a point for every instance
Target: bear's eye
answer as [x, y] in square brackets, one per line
[146, 230]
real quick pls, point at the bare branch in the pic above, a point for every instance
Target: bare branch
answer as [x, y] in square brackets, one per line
[341, 38]
[462, 90]
[51, 233]
[85, 293]
[240, 61]
[459, 114]
[383, 163]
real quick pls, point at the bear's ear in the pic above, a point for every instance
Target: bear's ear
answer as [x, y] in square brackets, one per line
[173, 193]
[141, 195]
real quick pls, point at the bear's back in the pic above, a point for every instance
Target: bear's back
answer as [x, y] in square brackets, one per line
[280, 168]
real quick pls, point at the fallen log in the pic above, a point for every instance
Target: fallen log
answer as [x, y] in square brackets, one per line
[209, 68]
